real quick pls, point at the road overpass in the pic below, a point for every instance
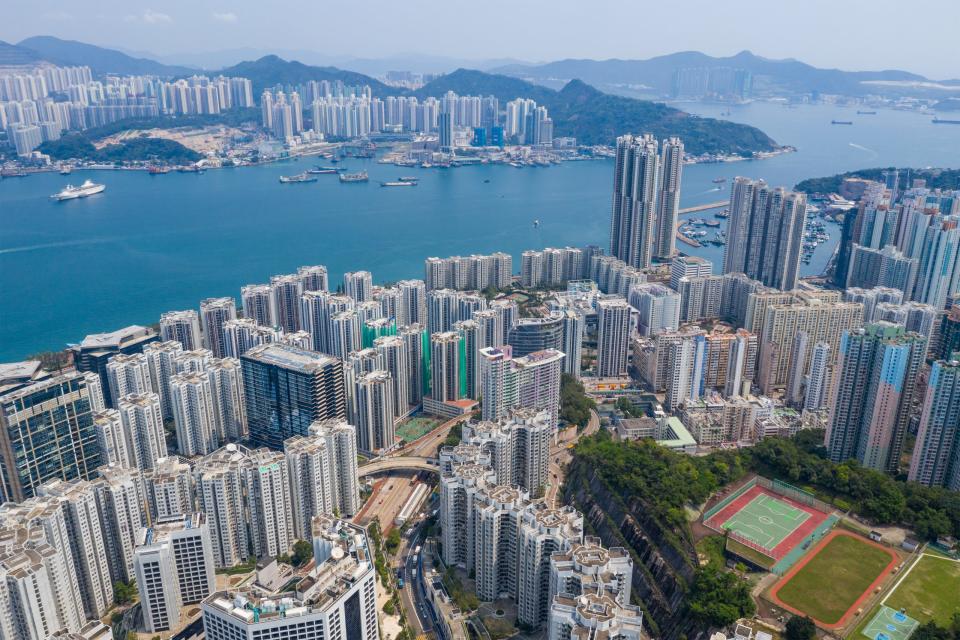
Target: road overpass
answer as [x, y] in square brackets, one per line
[399, 463]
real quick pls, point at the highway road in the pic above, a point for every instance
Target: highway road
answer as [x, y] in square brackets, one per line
[412, 596]
[560, 455]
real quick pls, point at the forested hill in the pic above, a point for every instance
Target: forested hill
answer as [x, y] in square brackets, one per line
[947, 179]
[594, 117]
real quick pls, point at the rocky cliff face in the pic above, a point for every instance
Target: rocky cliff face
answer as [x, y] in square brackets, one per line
[664, 561]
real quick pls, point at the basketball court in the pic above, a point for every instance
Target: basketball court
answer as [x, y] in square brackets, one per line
[890, 624]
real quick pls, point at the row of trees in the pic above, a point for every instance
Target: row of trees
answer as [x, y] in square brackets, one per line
[575, 404]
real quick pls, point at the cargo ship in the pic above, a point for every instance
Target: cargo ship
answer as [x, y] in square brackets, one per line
[944, 121]
[300, 177]
[360, 176]
[323, 170]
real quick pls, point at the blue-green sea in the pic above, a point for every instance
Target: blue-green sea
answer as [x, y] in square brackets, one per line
[149, 244]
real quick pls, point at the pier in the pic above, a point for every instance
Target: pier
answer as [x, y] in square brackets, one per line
[704, 207]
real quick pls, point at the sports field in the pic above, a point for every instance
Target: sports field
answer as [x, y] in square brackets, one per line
[831, 581]
[417, 427]
[775, 523]
[890, 624]
[929, 591]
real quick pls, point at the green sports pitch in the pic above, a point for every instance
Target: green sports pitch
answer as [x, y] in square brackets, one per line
[766, 520]
[890, 624]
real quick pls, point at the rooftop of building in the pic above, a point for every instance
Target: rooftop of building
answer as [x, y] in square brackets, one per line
[345, 560]
[289, 357]
[14, 375]
[115, 339]
[162, 531]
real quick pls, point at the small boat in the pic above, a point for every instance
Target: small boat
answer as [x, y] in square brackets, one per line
[486, 181]
[360, 176]
[866, 113]
[841, 122]
[300, 177]
[719, 180]
[399, 183]
[711, 223]
[408, 179]
[318, 170]
[536, 223]
[71, 192]
[66, 170]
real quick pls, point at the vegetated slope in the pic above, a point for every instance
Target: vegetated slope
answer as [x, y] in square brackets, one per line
[100, 59]
[272, 70]
[12, 55]
[594, 117]
[78, 146]
[936, 179]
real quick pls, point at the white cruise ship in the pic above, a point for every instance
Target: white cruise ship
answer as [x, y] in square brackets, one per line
[70, 192]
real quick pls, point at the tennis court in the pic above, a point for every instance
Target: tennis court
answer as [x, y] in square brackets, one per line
[766, 520]
[890, 624]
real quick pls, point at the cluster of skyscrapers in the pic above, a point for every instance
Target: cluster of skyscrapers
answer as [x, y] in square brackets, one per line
[37, 107]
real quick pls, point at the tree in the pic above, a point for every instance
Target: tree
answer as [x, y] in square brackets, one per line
[124, 592]
[575, 405]
[718, 598]
[393, 540]
[800, 628]
[389, 608]
[302, 552]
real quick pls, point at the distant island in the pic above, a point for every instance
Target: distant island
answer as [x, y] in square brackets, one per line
[936, 179]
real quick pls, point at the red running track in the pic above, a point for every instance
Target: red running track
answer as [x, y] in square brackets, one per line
[787, 544]
[845, 618]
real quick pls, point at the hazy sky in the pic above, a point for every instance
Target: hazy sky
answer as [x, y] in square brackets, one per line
[918, 35]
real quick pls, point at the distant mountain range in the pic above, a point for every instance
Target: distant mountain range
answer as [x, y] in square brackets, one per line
[578, 110]
[656, 74]
[594, 117]
[101, 60]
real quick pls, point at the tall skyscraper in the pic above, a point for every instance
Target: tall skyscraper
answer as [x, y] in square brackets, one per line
[613, 337]
[214, 313]
[635, 188]
[162, 365]
[766, 233]
[313, 278]
[413, 302]
[142, 422]
[128, 373]
[874, 387]
[285, 291]
[375, 411]
[536, 334]
[286, 388]
[194, 413]
[47, 431]
[658, 306]
[226, 383]
[257, 300]
[447, 379]
[182, 327]
[668, 199]
[358, 285]
[531, 381]
[936, 455]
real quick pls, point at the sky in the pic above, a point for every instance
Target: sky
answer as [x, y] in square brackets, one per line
[919, 36]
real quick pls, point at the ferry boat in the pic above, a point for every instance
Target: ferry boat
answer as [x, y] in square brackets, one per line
[323, 170]
[399, 183]
[360, 176]
[841, 122]
[408, 179]
[71, 192]
[300, 177]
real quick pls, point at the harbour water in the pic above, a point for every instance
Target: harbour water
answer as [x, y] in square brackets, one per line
[150, 244]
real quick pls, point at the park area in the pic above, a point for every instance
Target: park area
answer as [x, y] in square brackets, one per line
[930, 591]
[417, 427]
[835, 578]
